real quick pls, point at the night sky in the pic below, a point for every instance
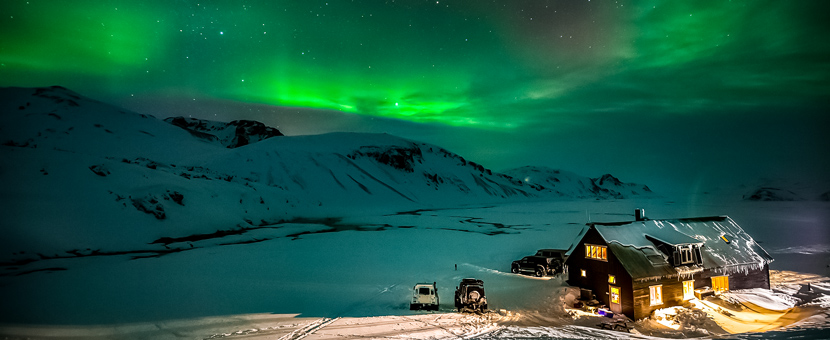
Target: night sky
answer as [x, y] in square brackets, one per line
[675, 94]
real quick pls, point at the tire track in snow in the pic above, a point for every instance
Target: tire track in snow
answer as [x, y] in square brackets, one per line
[571, 332]
[497, 272]
[309, 329]
[262, 331]
[363, 303]
[470, 328]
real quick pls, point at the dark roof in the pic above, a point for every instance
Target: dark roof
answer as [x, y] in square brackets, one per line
[633, 243]
[674, 239]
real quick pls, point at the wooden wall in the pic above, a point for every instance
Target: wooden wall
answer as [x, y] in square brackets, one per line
[753, 279]
[672, 296]
[758, 278]
[673, 288]
[597, 273]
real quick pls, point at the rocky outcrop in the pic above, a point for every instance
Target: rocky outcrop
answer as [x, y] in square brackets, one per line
[232, 135]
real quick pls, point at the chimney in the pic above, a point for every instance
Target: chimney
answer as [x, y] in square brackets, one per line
[639, 214]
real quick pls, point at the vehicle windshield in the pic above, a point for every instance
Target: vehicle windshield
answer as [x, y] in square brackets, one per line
[424, 291]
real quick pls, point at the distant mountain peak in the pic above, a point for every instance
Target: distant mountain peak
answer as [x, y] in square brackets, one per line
[608, 179]
[569, 184]
[786, 189]
[772, 194]
[232, 135]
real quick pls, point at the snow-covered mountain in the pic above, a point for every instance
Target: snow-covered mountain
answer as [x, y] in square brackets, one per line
[771, 194]
[232, 135]
[568, 184]
[83, 175]
[60, 120]
[780, 189]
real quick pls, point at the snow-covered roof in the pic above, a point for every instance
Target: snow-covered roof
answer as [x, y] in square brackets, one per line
[634, 244]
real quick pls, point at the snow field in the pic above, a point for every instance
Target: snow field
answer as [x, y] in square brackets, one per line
[348, 273]
[342, 273]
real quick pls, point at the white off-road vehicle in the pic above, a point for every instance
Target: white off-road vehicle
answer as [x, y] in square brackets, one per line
[424, 296]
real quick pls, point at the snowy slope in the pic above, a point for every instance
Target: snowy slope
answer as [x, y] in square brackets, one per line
[368, 168]
[84, 177]
[569, 184]
[58, 119]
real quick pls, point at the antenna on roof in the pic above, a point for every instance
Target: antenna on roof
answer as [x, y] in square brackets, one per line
[587, 214]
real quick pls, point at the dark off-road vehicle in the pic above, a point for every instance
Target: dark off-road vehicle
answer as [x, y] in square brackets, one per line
[545, 262]
[469, 296]
[557, 254]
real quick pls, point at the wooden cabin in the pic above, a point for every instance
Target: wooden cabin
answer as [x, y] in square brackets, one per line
[639, 266]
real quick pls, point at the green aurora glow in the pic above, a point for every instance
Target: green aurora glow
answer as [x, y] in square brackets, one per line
[461, 63]
[635, 88]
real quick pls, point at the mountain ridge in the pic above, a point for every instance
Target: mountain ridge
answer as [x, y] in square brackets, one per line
[568, 184]
[109, 178]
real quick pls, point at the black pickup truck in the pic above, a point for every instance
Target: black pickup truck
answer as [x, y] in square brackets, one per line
[545, 262]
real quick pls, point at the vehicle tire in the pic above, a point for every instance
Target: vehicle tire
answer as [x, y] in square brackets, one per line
[540, 272]
[515, 269]
[411, 307]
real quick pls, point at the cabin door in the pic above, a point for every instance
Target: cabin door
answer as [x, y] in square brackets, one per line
[614, 299]
[688, 290]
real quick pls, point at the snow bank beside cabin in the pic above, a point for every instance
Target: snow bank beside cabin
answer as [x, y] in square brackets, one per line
[760, 297]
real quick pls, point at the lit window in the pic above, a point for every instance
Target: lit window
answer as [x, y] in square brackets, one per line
[612, 278]
[656, 295]
[596, 252]
[688, 290]
[584, 274]
[720, 283]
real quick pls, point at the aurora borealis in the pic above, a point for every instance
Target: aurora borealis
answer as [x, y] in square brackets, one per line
[628, 87]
